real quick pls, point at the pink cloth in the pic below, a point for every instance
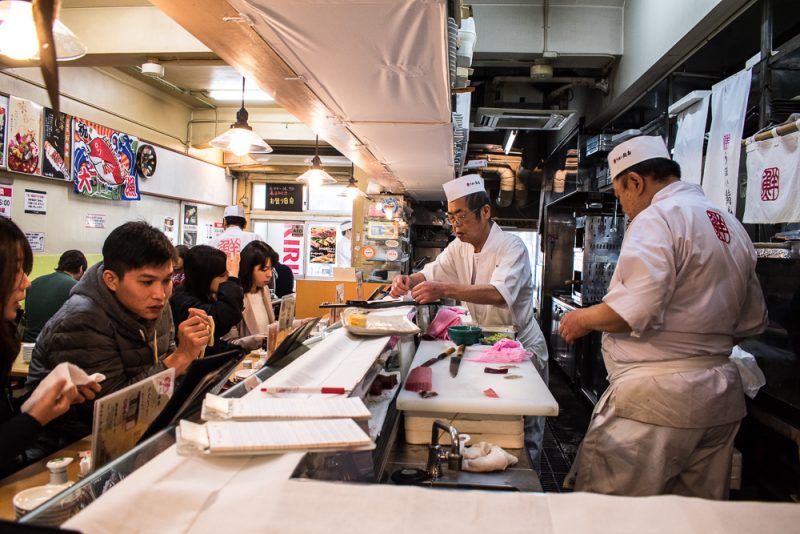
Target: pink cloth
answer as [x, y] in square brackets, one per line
[504, 351]
[445, 318]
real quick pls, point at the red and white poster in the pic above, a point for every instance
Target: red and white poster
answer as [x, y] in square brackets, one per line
[104, 162]
[3, 124]
[292, 254]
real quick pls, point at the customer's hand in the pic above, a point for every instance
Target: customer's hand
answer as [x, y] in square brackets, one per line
[54, 402]
[233, 264]
[193, 336]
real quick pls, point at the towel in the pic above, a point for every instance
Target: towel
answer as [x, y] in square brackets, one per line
[485, 457]
[445, 318]
[504, 351]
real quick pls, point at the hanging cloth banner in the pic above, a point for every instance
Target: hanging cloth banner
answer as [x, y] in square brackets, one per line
[728, 106]
[773, 180]
[688, 150]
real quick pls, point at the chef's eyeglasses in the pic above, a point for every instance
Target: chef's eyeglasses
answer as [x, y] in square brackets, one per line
[459, 218]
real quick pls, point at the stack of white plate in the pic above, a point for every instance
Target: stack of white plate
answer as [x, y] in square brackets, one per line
[27, 351]
[27, 500]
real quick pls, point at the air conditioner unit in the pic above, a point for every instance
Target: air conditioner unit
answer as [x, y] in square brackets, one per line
[522, 119]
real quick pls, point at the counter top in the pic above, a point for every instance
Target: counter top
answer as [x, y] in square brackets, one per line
[527, 395]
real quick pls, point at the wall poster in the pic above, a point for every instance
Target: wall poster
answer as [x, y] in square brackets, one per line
[3, 121]
[284, 197]
[6, 193]
[103, 162]
[55, 141]
[24, 136]
[322, 244]
[36, 241]
[36, 202]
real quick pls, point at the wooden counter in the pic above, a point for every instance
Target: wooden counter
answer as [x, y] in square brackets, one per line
[312, 293]
[37, 474]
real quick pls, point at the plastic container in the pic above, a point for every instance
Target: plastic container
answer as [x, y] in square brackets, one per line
[464, 335]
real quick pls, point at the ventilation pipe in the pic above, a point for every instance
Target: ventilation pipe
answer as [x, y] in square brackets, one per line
[521, 186]
[507, 182]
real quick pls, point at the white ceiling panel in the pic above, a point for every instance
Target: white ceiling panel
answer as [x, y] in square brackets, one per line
[380, 68]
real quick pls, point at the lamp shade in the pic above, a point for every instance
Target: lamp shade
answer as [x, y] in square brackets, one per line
[316, 175]
[18, 39]
[240, 141]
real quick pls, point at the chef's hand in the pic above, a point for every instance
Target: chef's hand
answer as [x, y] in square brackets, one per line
[400, 285]
[428, 291]
[571, 327]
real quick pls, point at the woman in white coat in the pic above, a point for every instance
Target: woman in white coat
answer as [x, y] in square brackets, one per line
[255, 272]
[490, 271]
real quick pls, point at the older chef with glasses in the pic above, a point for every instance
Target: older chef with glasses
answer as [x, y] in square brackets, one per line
[489, 270]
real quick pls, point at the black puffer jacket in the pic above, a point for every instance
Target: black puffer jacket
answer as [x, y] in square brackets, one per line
[226, 310]
[93, 331]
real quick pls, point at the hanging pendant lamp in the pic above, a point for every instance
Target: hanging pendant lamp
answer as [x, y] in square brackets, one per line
[241, 139]
[316, 175]
[18, 38]
[352, 191]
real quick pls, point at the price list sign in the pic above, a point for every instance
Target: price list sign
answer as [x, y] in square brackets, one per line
[284, 197]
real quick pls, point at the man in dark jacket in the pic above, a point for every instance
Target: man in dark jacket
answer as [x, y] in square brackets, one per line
[117, 322]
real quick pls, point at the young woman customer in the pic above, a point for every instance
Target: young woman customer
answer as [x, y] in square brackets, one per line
[211, 285]
[255, 274]
[18, 430]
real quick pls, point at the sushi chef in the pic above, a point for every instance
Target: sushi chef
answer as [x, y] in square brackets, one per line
[490, 271]
[684, 290]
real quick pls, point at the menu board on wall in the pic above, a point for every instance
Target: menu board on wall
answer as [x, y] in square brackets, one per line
[322, 244]
[55, 142]
[24, 135]
[104, 162]
[284, 197]
[3, 121]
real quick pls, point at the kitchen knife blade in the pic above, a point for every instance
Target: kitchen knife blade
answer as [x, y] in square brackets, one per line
[455, 361]
[441, 356]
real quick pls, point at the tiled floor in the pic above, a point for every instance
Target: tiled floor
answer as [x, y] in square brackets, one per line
[563, 434]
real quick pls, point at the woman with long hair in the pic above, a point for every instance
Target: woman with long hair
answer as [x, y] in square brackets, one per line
[211, 285]
[19, 430]
[255, 274]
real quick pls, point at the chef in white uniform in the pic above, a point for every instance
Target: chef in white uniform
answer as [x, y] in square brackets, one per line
[684, 290]
[344, 245]
[233, 239]
[490, 271]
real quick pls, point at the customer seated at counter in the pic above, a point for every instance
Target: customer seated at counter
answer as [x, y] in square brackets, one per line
[255, 274]
[49, 292]
[211, 285]
[20, 429]
[117, 322]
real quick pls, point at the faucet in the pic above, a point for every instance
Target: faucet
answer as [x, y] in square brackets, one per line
[437, 453]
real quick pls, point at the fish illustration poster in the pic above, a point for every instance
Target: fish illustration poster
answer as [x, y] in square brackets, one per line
[104, 162]
[24, 136]
[55, 144]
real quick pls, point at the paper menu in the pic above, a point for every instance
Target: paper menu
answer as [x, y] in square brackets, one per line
[269, 437]
[254, 408]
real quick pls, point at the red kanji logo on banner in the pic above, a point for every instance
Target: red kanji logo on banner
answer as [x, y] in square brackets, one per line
[230, 246]
[770, 184]
[720, 228]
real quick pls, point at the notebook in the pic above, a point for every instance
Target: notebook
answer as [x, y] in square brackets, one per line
[216, 408]
[270, 437]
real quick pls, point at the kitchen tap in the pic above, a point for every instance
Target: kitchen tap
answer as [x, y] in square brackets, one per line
[437, 453]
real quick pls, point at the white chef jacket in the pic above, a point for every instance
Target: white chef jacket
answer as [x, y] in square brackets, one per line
[685, 281]
[503, 262]
[343, 252]
[233, 240]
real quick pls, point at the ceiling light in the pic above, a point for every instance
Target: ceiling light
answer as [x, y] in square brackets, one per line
[316, 175]
[153, 68]
[241, 139]
[18, 39]
[352, 191]
[511, 136]
[231, 95]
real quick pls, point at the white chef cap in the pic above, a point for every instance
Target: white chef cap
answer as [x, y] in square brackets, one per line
[345, 226]
[463, 186]
[636, 150]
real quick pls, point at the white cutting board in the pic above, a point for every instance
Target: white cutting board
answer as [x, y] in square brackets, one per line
[464, 393]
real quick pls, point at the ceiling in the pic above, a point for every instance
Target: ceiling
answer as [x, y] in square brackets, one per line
[369, 76]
